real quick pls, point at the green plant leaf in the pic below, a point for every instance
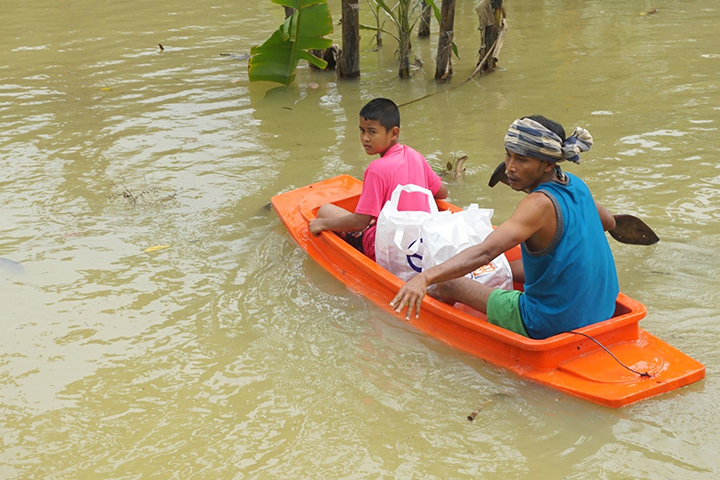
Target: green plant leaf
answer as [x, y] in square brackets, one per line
[297, 4]
[389, 11]
[376, 29]
[276, 60]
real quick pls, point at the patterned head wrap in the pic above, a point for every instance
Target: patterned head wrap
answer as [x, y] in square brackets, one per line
[529, 138]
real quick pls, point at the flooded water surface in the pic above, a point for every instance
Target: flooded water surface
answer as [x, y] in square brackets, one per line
[158, 321]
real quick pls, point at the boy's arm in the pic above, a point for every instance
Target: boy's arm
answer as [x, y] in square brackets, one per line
[352, 222]
[442, 192]
[432, 179]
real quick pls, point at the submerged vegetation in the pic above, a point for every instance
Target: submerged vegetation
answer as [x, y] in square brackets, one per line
[404, 15]
[146, 195]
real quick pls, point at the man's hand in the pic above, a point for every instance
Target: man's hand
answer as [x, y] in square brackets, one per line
[411, 295]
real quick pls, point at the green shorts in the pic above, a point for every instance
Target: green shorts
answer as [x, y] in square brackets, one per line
[503, 310]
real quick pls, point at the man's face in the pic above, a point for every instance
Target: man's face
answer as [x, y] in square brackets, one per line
[525, 173]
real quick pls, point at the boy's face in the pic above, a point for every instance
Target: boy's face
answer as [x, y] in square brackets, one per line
[375, 139]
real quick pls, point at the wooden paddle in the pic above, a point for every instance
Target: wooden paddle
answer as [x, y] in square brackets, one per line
[628, 229]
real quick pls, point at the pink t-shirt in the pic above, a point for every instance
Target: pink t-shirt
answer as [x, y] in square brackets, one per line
[401, 165]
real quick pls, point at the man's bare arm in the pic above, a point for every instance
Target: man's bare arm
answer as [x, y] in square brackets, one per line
[607, 218]
[531, 215]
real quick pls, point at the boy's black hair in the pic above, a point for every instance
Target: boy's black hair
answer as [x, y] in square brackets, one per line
[384, 111]
[550, 125]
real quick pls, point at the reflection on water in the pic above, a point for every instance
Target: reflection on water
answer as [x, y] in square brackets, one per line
[231, 354]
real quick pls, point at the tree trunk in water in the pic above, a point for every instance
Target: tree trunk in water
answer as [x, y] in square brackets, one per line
[491, 15]
[424, 27]
[444, 53]
[405, 43]
[404, 54]
[349, 59]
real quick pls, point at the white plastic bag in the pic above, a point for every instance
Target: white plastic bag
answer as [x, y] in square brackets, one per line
[445, 237]
[398, 246]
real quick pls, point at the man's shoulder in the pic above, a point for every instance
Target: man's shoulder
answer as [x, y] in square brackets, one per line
[536, 199]
[536, 207]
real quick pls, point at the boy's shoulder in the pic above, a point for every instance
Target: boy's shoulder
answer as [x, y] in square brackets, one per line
[402, 149]
[415, 152]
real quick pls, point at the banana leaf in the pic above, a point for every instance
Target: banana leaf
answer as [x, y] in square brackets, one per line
[276, 60]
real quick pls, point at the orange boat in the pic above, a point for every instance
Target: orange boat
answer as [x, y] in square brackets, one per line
[569, 362]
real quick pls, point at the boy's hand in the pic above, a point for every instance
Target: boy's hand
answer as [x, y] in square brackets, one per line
[316, 226]
[411, 295]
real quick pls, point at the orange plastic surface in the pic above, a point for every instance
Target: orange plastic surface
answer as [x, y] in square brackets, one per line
[567, 362]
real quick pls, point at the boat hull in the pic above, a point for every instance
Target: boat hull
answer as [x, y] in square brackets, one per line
[571, 363]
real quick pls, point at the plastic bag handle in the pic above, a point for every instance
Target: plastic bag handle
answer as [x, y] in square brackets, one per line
[395, 198]
[412, 249]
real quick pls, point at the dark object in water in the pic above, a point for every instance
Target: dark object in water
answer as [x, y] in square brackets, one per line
[494, 396]
[239, 56]
[456, 167]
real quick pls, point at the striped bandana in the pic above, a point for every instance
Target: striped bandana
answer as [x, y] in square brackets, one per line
[528, 138]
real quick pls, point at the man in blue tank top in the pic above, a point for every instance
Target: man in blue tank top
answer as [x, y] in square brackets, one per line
[567, 267]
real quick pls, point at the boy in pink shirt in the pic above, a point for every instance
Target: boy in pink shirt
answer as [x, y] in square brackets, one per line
[397, 165]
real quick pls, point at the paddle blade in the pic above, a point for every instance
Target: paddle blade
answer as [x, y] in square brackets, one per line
[498, 175]
[632, 230]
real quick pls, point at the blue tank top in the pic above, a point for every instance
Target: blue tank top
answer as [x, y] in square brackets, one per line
[573, 282]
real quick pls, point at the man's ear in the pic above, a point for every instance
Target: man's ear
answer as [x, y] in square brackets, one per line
[549, 166]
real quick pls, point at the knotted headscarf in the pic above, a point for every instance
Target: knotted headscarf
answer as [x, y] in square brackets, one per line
[529, 138]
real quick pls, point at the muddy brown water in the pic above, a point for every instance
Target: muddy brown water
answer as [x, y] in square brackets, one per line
[229, 353]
